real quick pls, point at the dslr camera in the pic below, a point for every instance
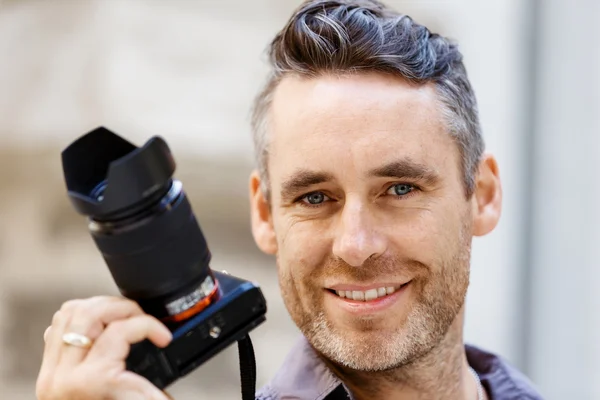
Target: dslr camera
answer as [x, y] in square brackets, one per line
[143, 225]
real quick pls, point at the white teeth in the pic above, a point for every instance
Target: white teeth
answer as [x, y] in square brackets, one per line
[367, 295]
[358, 295]
[370, 294]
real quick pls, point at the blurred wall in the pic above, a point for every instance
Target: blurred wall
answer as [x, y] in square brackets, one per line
[188, 70]
[564, 351]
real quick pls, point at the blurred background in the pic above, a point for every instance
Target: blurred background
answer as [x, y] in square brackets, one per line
[188, 70]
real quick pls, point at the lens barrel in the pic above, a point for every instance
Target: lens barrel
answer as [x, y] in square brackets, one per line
[142, 222]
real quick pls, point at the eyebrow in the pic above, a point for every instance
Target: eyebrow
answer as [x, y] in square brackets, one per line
[406, 169]
[403, 169]
[303, 179]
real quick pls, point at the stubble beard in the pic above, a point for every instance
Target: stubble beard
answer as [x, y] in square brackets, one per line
[433, 310]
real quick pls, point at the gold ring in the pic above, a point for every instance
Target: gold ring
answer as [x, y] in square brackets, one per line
[77, 340]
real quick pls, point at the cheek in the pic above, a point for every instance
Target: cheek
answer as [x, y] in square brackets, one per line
[300, 253]
[301, 247]
[428, 236]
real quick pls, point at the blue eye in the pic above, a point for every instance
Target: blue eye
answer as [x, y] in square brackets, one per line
[315, 198]
[401, 189]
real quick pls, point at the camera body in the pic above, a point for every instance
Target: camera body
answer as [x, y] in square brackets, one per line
[240, 309]
[143, 225]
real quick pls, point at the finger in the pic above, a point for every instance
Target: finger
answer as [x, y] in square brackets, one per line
[54, 342]
[90, 318]
[46, 332]
[168, 395]
[114, 343]
[129, 383]
[42, 382]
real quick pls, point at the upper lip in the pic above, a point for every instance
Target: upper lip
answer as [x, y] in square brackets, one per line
[363, 287]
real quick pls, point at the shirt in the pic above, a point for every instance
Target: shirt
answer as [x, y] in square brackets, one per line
[304, 376]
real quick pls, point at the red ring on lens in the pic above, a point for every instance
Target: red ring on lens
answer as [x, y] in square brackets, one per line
[196, 308]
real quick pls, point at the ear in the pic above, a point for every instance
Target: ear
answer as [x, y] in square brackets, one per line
[487, 197]
[262, 221]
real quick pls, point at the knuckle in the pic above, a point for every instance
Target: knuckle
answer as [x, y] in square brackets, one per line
[102, 300]
[93, 303]
[101, 306]
[47, 332]
[56, 317]
[88, 310]
[134, 305]
[74, 386]
[92, 316]
[47, 389]
[114, 380]
[42, 387]
[69, 306]
[115, 327]
[94, 306]
[147, 321]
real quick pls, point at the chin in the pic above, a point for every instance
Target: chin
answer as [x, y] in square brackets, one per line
[362, 350]
[371, 348]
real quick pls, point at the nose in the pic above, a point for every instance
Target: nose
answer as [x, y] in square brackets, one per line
[358, 237]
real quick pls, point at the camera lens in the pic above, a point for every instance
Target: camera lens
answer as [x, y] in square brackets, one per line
[142, 223]
[98, 192]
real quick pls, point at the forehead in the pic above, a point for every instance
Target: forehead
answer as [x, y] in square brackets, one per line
[354, 122]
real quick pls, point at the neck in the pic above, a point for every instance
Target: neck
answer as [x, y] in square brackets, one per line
[443, 373]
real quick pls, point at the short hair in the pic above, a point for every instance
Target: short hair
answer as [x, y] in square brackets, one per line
[338, 37]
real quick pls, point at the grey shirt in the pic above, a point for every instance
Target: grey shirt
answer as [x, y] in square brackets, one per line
[304, 376]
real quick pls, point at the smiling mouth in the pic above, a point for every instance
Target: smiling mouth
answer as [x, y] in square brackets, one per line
[367, 295]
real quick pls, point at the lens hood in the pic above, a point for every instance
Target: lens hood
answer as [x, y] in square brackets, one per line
[108, 178]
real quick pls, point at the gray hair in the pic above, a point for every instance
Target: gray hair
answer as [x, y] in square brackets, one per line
[324, 37]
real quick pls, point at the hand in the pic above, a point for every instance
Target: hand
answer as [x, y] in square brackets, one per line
[97, 371]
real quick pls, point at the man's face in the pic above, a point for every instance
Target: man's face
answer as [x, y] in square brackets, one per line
[372, 225]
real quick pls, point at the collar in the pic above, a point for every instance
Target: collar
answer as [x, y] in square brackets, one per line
[304, 375]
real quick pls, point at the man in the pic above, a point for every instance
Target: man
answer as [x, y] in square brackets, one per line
[371, 183]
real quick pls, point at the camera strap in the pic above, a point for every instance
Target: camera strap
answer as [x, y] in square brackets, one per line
[247, 368]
